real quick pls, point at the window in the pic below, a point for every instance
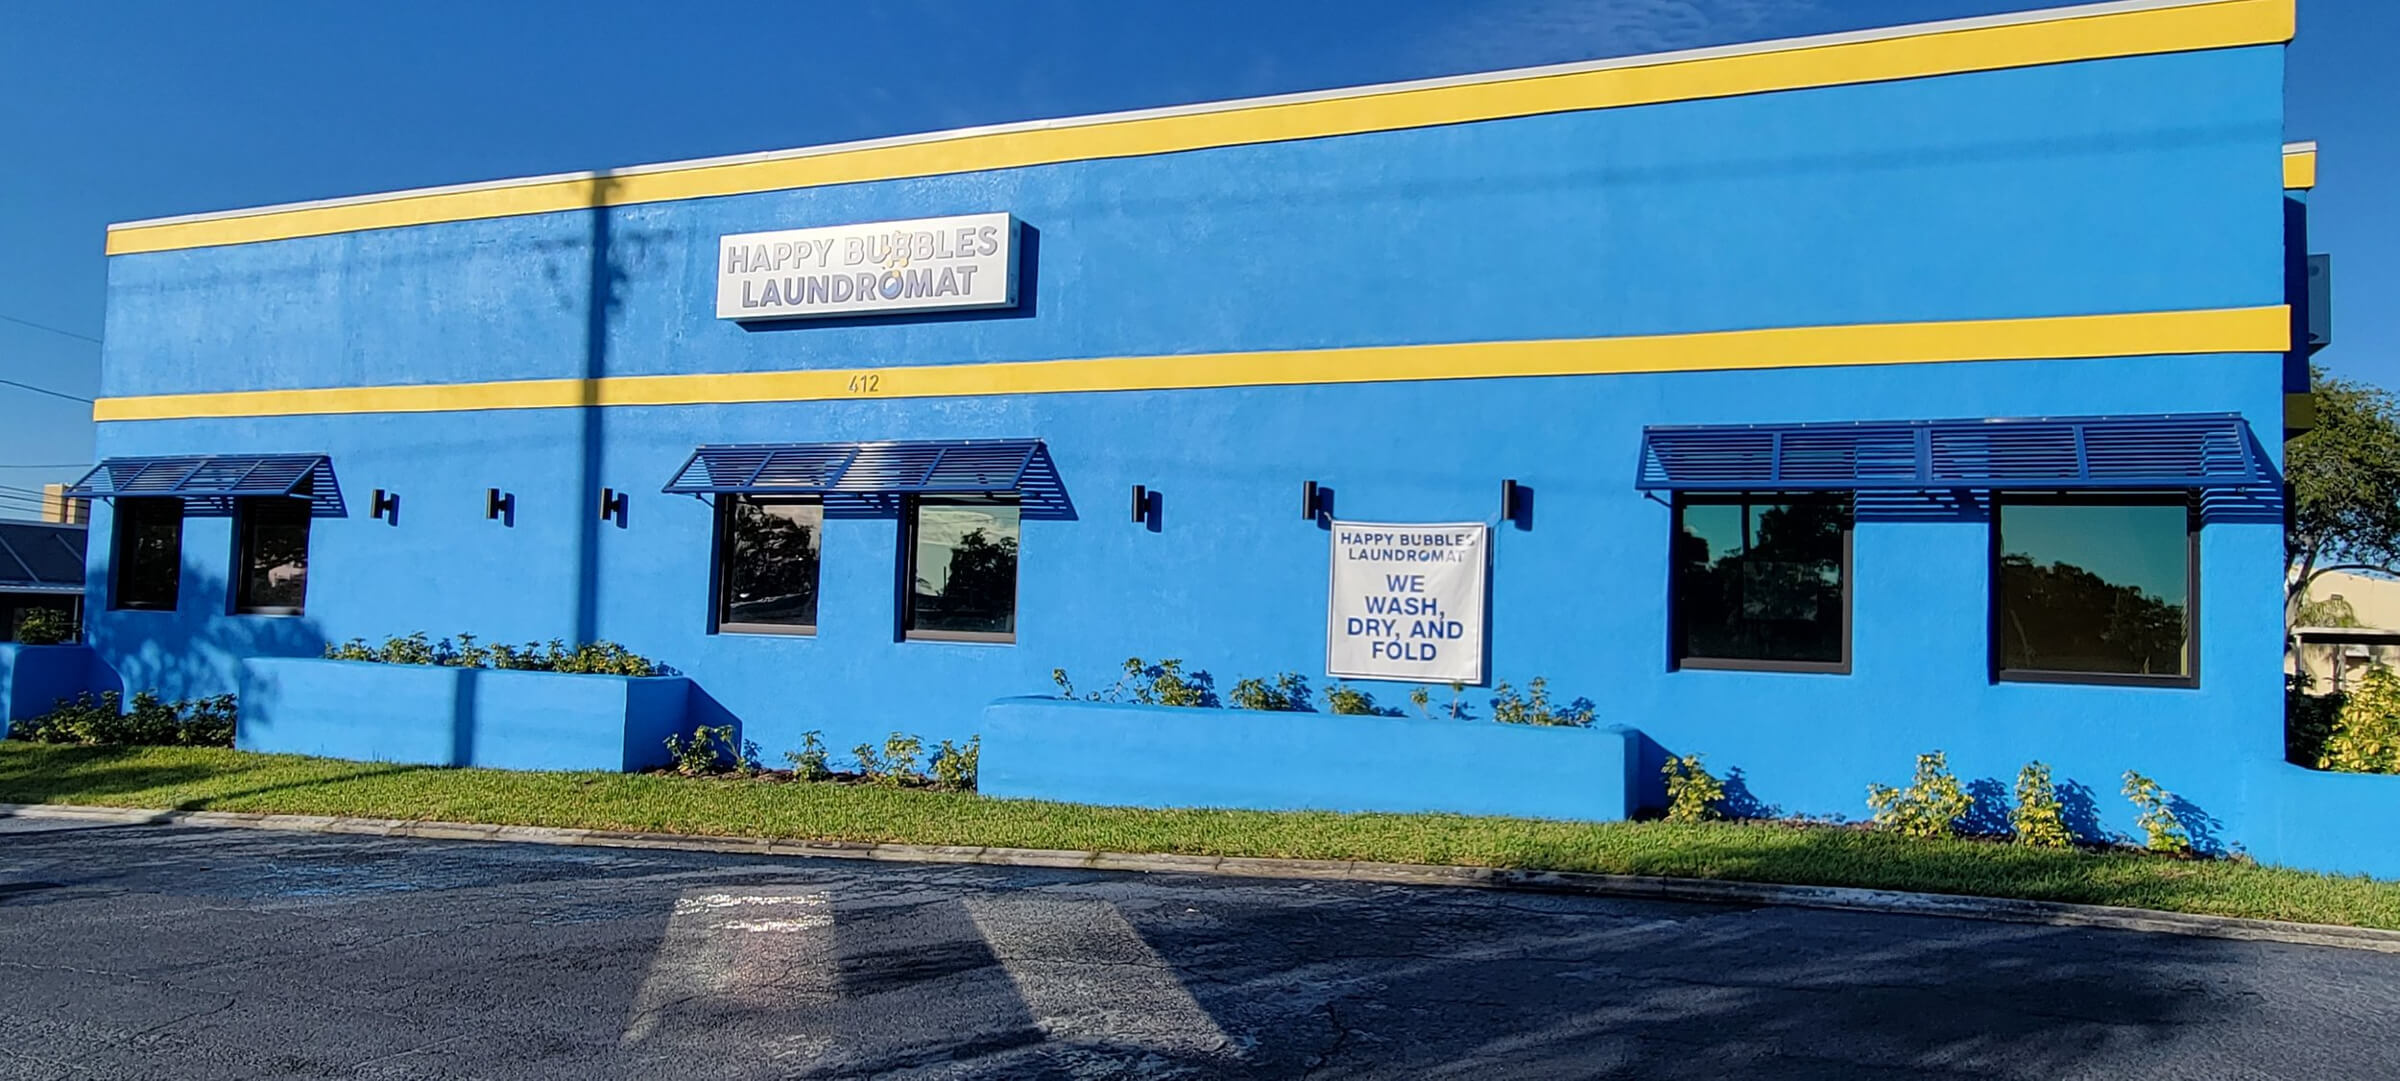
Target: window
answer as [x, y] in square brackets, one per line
[1762, 583]
[2095, 589]
[962, 569]
[147, 567]
[271, 556]
[767, 554]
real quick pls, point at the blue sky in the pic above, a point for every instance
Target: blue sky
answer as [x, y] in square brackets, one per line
[139, 108]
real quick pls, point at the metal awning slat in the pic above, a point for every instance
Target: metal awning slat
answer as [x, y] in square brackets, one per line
[953, 466]
[2173, 451]
[217, 475]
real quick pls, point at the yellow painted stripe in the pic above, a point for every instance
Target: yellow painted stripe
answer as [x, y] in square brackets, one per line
[2300, 170]
[2235, 330]
[2101, 36]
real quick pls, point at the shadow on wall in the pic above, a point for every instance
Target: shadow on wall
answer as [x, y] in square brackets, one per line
[194, 652]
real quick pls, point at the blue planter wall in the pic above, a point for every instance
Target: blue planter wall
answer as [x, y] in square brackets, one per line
[1158, 756]
[35, 678]
[457, 716]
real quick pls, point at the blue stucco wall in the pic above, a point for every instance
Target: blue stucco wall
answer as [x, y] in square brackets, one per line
[33, 679]
[1113, 753]
[2143, 184]
[456, 716]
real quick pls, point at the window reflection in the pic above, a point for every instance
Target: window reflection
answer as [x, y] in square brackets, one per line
[1761, 582]
[2095, 588]
[768, 562]
[149, 553]
[274, 556]
[964, 568]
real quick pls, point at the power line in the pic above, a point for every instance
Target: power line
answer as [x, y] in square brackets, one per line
[51, 329]
[51, 465]
[46, 390]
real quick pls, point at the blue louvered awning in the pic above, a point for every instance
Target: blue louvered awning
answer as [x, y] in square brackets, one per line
[956, 466]
[2182, 451]
[204, 475]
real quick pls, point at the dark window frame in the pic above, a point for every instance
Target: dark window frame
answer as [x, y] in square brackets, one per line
[2189, 501]
[245, 510]
[119, 543]
[717, 606]
[1678, 655]
[910, 510]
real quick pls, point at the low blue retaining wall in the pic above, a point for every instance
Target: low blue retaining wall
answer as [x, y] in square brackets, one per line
[2345, 823]
[1157, 756]
[457, 716]
[34, 678]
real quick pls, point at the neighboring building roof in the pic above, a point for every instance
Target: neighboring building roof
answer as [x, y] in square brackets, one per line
[39, 557]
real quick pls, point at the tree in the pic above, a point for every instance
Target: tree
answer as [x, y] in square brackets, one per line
[2344, 474]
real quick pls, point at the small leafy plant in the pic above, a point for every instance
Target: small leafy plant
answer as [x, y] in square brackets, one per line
[2163, 830]
[47, 627]
[808, 763]
[708, 749]
[1422, 698]
[1160, 684]
[1693, 793]
[870, 762]
[954, 768]
[1286, 692]
[1930, 806]
[1345, 699]
[1534, 707]
[2039, 818]
[900, 760]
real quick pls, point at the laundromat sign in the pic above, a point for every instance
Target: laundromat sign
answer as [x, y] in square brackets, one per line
[885, 267]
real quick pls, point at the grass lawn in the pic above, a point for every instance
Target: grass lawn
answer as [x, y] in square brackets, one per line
[226, 780]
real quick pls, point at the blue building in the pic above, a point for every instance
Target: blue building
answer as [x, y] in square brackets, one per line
[1813, 403]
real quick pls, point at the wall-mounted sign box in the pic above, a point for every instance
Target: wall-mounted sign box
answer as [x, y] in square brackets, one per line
[886, 267]
[1407, 602]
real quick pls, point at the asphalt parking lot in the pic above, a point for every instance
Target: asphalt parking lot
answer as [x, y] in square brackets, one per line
[177, 952]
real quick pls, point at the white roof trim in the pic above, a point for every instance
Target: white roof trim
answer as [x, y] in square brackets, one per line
[2014, 18]
[2309, 147]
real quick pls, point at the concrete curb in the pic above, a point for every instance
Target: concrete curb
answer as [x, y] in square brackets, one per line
[1704, 891]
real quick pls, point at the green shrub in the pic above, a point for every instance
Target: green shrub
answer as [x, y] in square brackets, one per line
[1693, 793]
[954, 768]
[90, 719]
[591, 658]
[1422, 698]
[870, 762]
[1345, 699]
[1287, 692]
[1161, 684]
[900, 760]
[808, 763]
[2365, 733]
[2164, 832]
[708, 751]
[1534, 707]
[1930, 806]
[48, 627]
[2039, 818]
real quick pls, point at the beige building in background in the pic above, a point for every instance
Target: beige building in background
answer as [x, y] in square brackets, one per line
[2352, 622]
[56, 507]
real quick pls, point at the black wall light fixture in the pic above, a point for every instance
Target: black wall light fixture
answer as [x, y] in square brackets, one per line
[1308, 500]
[1141, 503]
[613, 504]
[1516, 504]
[386, 506]
[1316, 503]
[500, 506]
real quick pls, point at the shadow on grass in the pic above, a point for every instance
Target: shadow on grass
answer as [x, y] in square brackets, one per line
[76, 774]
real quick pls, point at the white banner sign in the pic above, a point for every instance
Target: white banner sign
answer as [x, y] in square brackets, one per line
[1407, 602]
[927, 264]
